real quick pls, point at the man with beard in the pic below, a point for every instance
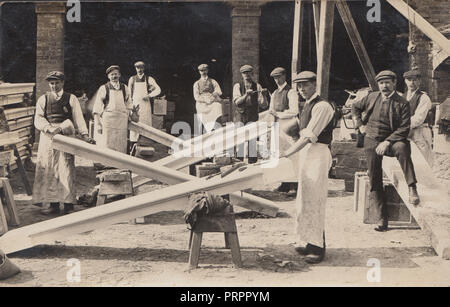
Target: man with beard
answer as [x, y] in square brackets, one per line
[386, 115]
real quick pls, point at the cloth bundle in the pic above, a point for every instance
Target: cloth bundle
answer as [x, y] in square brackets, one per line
[203, 204]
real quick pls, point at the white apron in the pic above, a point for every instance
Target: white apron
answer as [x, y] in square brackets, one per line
[140, 98]
[208, 110]
[55, 173]
[285, 142]
[314, 164]
[115, 123]
[421, 136]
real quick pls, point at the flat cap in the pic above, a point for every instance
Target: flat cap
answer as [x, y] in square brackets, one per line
[411, 74]
[386, 74]
[203, 66]
[54, 75]
[305, 76]
[139, 63]
[246, 68]
[278, 72]
[111, 68]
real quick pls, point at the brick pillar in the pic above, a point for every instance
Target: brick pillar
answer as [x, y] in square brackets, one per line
[1, 41]
[50, 41]
[245, 37]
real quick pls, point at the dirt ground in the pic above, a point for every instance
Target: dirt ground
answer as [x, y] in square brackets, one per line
[156, 254]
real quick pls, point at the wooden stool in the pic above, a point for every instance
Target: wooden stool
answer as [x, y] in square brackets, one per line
[114, 182]
[8, 198]
[222, 222]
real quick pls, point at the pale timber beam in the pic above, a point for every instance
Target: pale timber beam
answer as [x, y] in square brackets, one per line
[324, 51]
[316, 15]
[421, 23]
[361, 52]
[170, 198]
[297, 39]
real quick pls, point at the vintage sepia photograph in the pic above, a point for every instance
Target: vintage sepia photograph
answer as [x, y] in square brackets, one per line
[213, 144]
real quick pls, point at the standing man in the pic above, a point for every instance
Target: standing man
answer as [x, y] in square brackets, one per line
[420, 104]
[314, 161]
[284, 109]
[111, 110]
[55, 170]
[143, 89]
[387, 119]
[248, 97]
[207, 94]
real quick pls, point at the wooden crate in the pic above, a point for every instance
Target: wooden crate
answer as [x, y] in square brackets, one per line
[160, 106]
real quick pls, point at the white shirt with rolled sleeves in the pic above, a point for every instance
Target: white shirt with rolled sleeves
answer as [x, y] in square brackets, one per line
[314, 164]
[419, 132]
[41, 123]
[101, 95]
[292, 110]
[152, 85]
[237, 94]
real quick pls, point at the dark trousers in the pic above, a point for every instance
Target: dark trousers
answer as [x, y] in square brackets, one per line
[402, 151]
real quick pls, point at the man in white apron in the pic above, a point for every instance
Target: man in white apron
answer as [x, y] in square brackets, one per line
[55, 170]
[316, 130]
[284, 109]
[207, 94]
[420, 104]
[143, 89]
[111, 111]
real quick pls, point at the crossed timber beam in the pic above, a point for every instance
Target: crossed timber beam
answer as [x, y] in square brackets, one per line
[170, 198]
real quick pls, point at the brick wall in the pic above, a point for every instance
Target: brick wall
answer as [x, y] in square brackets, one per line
[436, 82]
[50, 42]
[245, 38]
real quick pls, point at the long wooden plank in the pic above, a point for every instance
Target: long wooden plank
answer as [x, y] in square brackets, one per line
[170, 198]
[421, 23]
[361, 52]
[155, 134]
[297, 39]
[316, 15]
[15, 88]
[19, 112]
[324, 51]
[120, 160]
[432, 214]
[12, 99]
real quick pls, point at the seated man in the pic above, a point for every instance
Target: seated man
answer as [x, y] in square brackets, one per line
[387, 116]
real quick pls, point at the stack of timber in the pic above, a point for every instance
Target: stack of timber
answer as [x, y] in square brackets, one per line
[16, 99]
[163, 113]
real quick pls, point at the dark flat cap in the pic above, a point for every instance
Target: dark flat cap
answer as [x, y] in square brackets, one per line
[203, 66]
[386, 74]
[111, 68]
[411, 74]
[278, 72]
[246, 68]
[139, 63]
[305, 76]
[55, 75]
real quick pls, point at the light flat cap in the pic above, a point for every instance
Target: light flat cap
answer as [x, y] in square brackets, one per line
[386, 74]
[55, 75]
[111, 68]
[305, 76]
[203, 67]
[139, 63]
[246, 68]
[278, 72]
[411, 74]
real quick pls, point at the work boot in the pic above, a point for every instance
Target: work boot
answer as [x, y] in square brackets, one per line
[315, 255]
[413, 196]
[304, 250]
[284, 187]
[68, 208]
[51, 210]
[382, 225]
[292, 189]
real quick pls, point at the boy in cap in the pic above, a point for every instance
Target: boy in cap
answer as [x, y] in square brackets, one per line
[248, 97]
[420, 104]
[55, 170]
[111, 110]
[143, 89]
[386, 116]
[314, 161]
[207, 94]
[284, 109]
